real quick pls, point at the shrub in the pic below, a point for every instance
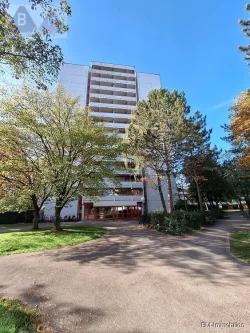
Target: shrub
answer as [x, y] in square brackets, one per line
[11, 217]
[16, 217]
[177, 223]
[145, 219]
[195, 220]
[29, 215]
[157, 218]
[218, 213]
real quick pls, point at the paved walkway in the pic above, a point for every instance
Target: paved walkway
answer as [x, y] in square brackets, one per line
[135, 280]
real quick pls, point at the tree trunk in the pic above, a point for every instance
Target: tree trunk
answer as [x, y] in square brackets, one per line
[36, 213]
[159, 186]
[169, 186]
[145, 206]
[57, 219]
[247, 202]
[185, 199]
[170, 194]
[199, 196]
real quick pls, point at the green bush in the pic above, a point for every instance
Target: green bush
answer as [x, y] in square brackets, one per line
[11, 217]
[218, 213]
[28, 216]
[177, 223]
[16, 217]
[145, 219]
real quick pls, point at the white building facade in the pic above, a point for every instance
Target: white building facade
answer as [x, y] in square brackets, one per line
[112, 92]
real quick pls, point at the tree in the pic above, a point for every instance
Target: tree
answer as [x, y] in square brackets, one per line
[240, 127]
[245, 24]
[34, 55]
[75, 150]
[239, 180]
[198, 146]
[237, 161]
[157, 134]
[215, 186]
[22, 185]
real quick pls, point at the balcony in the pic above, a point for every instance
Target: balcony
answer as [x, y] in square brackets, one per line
[133, 198]
[113, 82]
[111, 90]
[113, 66]
[126, 184]
[115, 125]
[113, 97]
[112, 74]
[127, 172]
[103, 106]
[112, 116]
[132, 184]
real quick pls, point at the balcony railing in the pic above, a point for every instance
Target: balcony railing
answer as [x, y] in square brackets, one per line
[108, 65]
[110, 115]
[113, 97]
[115, 125]
[136, 198]
[113, 73]
[113, 81]
[112, 106]
[125, 184]
[111, 89]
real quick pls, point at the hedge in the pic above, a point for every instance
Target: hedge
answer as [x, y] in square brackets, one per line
[179, 222]
[16, 217]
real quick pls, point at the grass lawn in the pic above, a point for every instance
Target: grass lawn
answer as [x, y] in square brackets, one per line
[16, 317]
[45, 239]
[240, 244]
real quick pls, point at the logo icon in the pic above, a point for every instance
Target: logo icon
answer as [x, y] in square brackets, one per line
[28, 21]
[24, 21]
[48, 25]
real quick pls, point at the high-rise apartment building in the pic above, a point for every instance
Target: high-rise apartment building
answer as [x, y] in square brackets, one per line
[112, 92]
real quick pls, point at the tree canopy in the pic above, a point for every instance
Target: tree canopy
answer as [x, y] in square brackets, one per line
[69, 152]
[33, 55]
[240, 127]
[245, 24]
[157, 133]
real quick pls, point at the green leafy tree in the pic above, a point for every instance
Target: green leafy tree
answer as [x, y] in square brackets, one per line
[34, 55]
[157, 134]
[75, 150]
[198, 146]
[239, 179]
[21, 182]
[216, 185]
[245, 24]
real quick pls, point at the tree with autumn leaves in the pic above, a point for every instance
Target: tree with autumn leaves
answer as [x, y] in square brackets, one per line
[240, 126]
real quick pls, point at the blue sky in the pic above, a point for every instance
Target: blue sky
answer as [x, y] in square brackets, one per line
[192, 44]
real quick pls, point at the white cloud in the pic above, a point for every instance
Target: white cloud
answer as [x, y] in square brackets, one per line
[220, 105]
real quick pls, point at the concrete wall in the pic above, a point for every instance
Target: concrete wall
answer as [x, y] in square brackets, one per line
[74, 78]
[147, 82]
[70, 209]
